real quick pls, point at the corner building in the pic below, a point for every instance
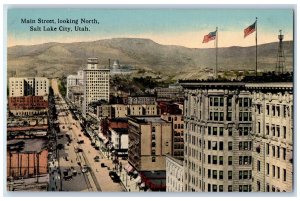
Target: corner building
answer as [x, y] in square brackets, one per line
[272, 133]
[217, 141]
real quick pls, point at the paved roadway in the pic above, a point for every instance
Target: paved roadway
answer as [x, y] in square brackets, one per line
[97, 179]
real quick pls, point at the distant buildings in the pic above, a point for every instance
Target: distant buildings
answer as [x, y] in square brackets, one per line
[28, 105]
[74, 81]
[272, 131]
[96, 84]
[32, 86]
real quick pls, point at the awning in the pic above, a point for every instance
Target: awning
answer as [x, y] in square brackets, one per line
[138, 179]
[128, 168]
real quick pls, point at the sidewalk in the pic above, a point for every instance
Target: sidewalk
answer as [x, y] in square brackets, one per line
[126, 181]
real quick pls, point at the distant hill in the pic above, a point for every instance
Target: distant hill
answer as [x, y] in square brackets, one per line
[56, 59]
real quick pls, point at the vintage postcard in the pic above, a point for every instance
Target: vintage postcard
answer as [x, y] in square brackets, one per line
[150, 99]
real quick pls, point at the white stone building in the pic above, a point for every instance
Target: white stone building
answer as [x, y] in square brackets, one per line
[174, 174]
[272, 130]
[96, 84]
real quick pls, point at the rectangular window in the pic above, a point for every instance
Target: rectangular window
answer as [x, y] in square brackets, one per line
[215, 160]
[273, 151]
[221, 188]
[215, 188]
[221, 116]
[216, 116]
[267, 149]
[229, 175]
[216, 101]
[268, 169]
[268, 110]
[229, 145]
[229, 116]
[221, 101]
[221, 175]
[215, 174]
[284, 174]
[221, 131]
[220, 145]
[284, 153]
[215, 130]
[258, 185]
[209, 159]
[208, 173]
[258, 165]
[211, 101]
[278, 152]
[273, 170]
[240, 175]
[229, 160]
[278, 172]
[230, 131]
[220, 160]
[208, 144]
[153, 159]
[284, 132]
[209, 130]
[230, 188]
[258, 127]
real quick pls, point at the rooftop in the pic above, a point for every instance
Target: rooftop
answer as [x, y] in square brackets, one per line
[27, 145]
[148, 119]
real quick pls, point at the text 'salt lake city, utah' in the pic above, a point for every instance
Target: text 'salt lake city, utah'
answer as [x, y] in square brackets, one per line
[150, 100]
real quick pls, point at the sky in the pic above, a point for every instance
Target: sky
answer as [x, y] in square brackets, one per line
[184, 27]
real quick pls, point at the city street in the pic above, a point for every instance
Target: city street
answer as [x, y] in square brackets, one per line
[96, 178]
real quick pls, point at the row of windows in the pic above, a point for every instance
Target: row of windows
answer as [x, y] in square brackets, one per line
[276, 110]
[246, 145]
[246, 174]
[276, 151]
[217, 130]
[214, 145]
[276, 130]
[276, 169]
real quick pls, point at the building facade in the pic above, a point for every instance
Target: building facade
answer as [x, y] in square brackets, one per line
[32, 86]
[150, 139]
[272, 131]
[74, 80]
[177, 129]
[96, 84]
[217, 141]
[174, 174]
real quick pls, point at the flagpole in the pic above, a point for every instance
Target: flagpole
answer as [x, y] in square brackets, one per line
[216, 70]
[256, 46]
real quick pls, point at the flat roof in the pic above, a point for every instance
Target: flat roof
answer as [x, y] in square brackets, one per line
[148, 119]
[29, 145]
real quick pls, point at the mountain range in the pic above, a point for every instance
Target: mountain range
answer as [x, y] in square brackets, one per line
[57, 59]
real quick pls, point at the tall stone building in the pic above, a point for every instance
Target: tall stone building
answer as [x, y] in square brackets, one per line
[217, 141]
[96, 84]
[272, 130]
[31, 86]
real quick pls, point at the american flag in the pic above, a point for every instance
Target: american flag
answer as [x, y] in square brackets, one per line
[209, 37]
[249, 30]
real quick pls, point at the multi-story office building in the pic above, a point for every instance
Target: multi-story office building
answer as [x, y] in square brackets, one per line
[33, 86]
[150, 139]
[174, 174]
[177, 125]
[96, 84]
[272, 109]
[217, 141]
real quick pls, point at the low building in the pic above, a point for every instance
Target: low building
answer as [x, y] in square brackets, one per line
[27, 161]
[28, 105]
[170, 93]
[174, 174]
[119, 141]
